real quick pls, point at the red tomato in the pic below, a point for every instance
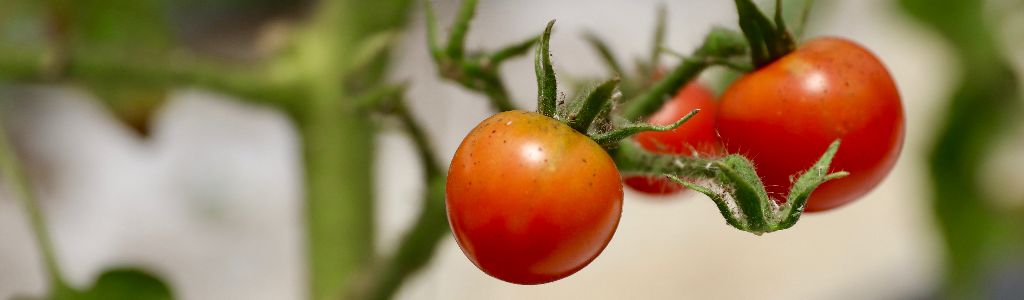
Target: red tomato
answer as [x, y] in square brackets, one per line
[530, 200]
[784, 115]
[696, 136]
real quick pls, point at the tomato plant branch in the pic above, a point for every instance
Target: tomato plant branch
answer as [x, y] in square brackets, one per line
[415, 249]
[658, 41]
[477, 71]
[605, 53]
[264, 84]
[338, 136]
[19, 186]
[719, 43]
[419, 244]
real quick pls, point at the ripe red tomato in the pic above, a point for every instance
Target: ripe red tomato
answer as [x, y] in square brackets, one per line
[530, 200]
[784, 115]
[696, 136]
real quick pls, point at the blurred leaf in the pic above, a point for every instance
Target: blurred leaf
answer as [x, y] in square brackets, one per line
[118, 25]
[127, 284]
[116, 284]
[134, 106]
[131, 30]
[22, 24]
[983, 106]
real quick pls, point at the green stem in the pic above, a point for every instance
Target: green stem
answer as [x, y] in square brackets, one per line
[338, 140]
[605, 52]
[632, 159]
[418, 245]
[457, 37]
[720, 43]
[262, 84]
[419, 137]
[18, 183]
[652, 100]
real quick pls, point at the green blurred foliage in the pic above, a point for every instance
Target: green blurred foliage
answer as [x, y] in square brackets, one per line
[984, 106]
[118, 29]
[127, 284]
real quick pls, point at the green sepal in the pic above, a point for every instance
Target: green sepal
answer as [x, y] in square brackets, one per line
[581, 112]
[547, 85]
[767, 41]
[732, 183]
[805, 184]
[611, 138]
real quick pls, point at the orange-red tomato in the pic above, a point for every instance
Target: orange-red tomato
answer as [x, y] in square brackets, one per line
[784, 115]
[530, 200]
[696, 136]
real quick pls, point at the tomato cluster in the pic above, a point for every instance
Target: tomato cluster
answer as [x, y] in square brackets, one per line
[531, 199]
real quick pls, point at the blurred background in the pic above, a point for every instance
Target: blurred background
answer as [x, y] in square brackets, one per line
[204, 189]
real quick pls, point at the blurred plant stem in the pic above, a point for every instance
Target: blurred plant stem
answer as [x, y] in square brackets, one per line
[339, 56]
[338, 138]
[16, 181]
[416, 248]
[984, 105]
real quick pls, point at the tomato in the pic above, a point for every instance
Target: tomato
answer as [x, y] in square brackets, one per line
[530, 200]
[784, 115]
[696, 136]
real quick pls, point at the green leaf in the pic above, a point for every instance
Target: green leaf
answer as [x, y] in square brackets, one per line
[128, 284]
[133, 105]
[547, 85]
[120, 284]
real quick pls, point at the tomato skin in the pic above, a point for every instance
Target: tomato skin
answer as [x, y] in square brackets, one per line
[784, 115]
[696, 136]
[530, 200]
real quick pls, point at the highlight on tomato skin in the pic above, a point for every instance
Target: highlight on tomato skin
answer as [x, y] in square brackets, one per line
[783, 115]
[695, 137]
[530, 200]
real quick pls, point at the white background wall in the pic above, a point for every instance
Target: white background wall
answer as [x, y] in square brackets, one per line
[213, 201]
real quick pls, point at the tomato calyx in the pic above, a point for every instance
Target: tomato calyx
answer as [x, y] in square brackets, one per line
[592, 106]
[768, 40]
[732, 183]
